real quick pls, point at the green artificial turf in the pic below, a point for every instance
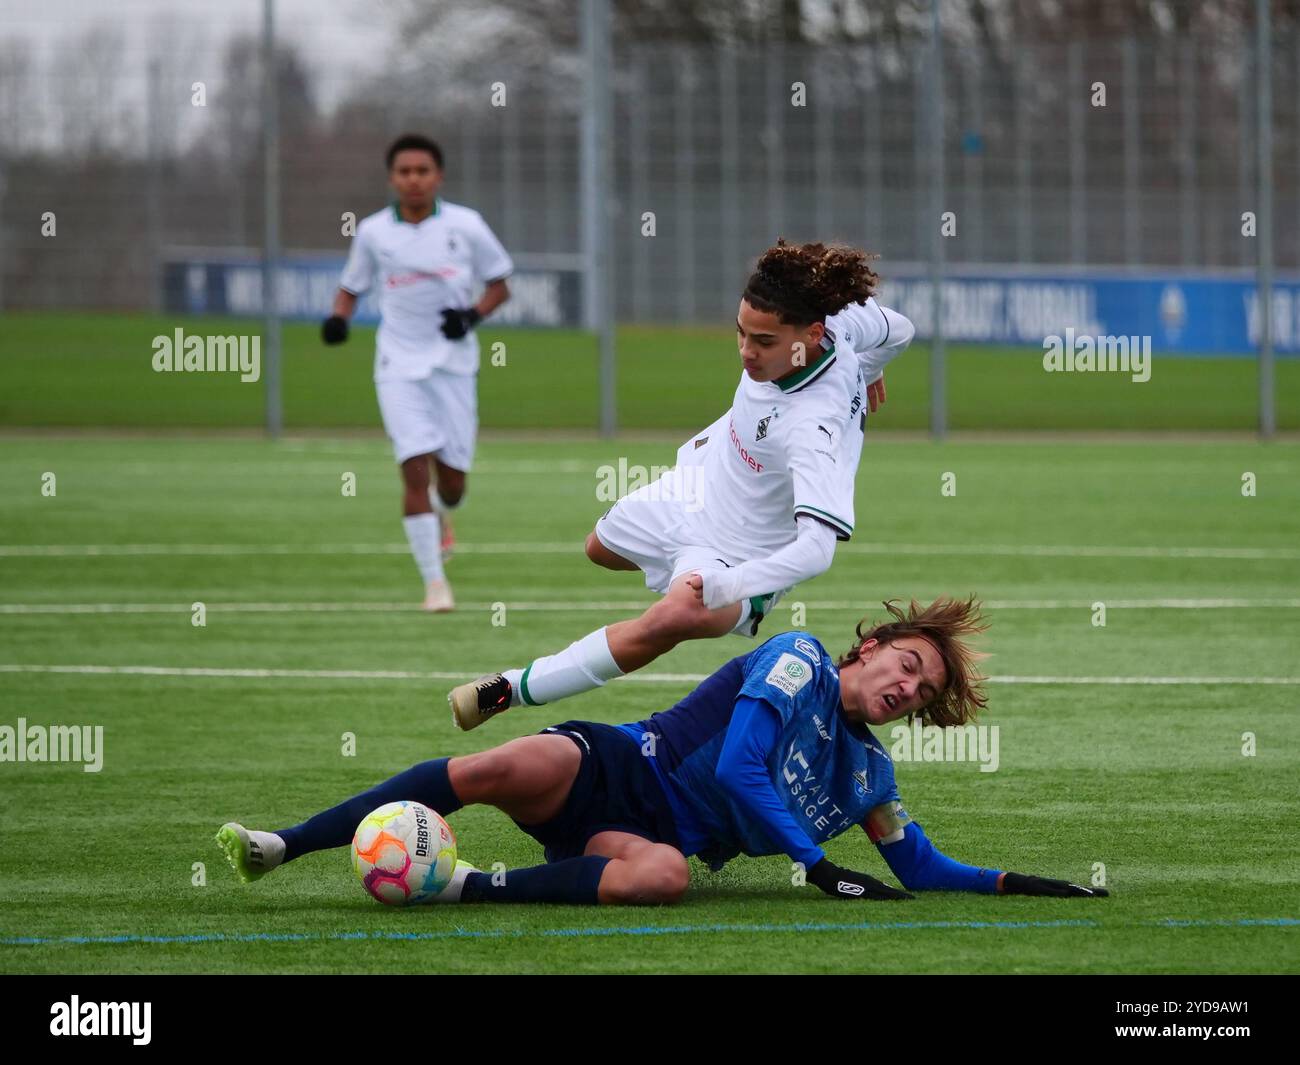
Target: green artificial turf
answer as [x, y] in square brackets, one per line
[74, 370]
[97, 870]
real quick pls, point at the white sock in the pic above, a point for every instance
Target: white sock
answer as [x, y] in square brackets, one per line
[271, 846]
[424, 533]
[580, 667]
[514, 676]
[452, 892]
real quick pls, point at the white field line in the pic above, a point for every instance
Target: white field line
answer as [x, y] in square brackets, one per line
[643, 678]
[576, 606]
[531, 467]
[574, 547]
[333, 464]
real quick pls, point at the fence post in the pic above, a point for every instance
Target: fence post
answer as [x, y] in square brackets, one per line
[270, 222]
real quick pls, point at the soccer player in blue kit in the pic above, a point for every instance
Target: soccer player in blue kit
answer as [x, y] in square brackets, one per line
[771, 754]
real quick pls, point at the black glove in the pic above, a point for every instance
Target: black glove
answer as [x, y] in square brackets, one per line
[1020, 884]
[334, 330]
[455, 324]
[846, 884]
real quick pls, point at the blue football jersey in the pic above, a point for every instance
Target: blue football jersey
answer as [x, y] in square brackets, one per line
[828, 771]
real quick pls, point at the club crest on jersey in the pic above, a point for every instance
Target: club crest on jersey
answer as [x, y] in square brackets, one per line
[761, 432]
[860, 782]
[789, 674]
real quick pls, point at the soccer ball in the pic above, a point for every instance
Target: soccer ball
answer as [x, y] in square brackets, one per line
[404, 853]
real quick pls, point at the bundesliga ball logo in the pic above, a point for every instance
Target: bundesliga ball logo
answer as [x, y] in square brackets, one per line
[404, 853]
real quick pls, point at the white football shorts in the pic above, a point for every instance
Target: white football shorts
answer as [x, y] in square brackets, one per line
[436, 415]
[656, 528]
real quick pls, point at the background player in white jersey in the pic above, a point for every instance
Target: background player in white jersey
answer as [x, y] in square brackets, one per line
[431, 260]
[757, 500]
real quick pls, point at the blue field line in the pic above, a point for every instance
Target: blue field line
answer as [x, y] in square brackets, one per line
[1223, 922]
[632, 930]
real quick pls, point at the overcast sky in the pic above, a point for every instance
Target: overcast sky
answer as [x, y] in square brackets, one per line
[323, 26]
[338, 35]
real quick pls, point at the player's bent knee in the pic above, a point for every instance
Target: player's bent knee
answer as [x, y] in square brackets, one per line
[665, 876]
[674, 879]
[653, 882]
[451, 487]
[415, 472]
[664, 623]
[679, 617]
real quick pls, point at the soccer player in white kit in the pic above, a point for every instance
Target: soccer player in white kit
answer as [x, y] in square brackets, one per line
[430, 258]
[758, 500]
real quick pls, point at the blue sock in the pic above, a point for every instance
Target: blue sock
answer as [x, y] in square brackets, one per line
[427, 782]
[573, 880]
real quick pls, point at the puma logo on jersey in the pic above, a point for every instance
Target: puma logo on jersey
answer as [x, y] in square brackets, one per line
[829, 438]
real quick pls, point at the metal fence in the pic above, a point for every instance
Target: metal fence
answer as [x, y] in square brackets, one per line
[716, 151]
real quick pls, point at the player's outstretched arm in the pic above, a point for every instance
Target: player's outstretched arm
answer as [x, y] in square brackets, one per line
[921, 866]
[1021, 884]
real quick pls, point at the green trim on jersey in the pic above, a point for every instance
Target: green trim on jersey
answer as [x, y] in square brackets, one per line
[838, 523]
[397, 211]
[808, 374]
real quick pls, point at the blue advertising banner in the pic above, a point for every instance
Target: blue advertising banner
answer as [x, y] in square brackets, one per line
[540, 294]
[1181, 313]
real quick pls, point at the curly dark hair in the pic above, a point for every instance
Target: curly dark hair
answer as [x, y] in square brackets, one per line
[946, 623]
[803, 283]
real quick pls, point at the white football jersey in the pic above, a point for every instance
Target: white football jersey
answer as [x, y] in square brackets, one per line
[422, 268]
[792, 446]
